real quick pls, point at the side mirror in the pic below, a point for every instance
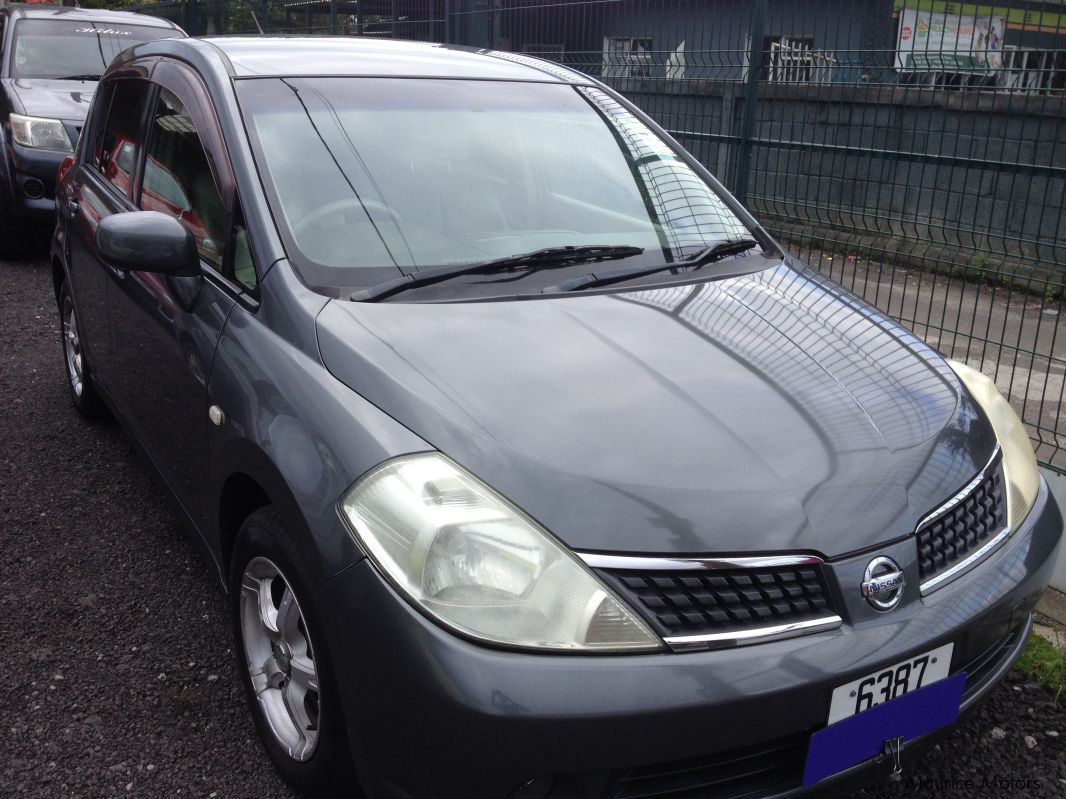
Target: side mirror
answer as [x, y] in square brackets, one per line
[148, 241]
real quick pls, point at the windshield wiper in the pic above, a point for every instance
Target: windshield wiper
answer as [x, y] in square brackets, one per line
[554, 256]
[79, 77]
[714, 252]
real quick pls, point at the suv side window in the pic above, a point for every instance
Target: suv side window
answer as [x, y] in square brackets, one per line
[178, 180]
[115, 153]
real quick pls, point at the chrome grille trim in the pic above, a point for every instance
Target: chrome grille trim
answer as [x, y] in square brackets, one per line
[757, 635]
[986, 549]
[990, 546]
[643, 563]
[964, 492]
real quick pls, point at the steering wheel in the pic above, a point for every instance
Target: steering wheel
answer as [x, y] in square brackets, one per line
[368, 208]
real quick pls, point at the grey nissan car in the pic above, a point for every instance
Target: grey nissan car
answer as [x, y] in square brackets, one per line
[50, 60]
[533, 467]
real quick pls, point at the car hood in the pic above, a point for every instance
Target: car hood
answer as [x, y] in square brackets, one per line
[764, 413]
[55, 99]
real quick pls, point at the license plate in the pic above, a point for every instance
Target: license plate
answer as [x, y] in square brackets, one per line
[889, 683]
[884, 729]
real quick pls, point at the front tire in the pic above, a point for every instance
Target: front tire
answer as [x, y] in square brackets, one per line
[83, 393]
[283, 661]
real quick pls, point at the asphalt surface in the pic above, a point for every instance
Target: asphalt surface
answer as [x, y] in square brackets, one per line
[117, 675]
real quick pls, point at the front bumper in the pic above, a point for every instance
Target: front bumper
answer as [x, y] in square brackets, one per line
[431, 715]
[31, 186]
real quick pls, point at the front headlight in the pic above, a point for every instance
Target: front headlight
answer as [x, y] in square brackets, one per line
[1019, 461]
[479, 565]
[41, 134]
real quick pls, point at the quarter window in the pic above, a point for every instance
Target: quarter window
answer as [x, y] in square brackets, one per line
[178, 179]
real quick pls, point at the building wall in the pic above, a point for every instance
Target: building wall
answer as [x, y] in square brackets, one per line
[860, 37]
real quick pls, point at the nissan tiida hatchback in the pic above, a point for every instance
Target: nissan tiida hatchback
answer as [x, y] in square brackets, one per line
[50, 60]
[532, 465]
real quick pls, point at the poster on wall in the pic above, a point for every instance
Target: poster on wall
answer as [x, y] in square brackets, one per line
[933, 41]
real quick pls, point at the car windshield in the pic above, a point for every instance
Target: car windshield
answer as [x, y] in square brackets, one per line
[75, 49]
[371, 176]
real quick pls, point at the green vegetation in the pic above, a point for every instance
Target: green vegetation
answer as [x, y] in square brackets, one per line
[1042, 662]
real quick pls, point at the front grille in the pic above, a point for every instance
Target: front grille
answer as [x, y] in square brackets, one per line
[759, 770]
[963, 527]
[690, 603]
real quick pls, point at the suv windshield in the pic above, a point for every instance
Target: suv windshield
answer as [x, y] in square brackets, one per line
[411, 174]
[74, 49]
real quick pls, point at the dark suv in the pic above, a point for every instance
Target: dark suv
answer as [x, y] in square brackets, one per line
[50, 60]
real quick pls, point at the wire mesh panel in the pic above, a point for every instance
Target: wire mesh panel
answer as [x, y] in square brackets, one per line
[912, 150]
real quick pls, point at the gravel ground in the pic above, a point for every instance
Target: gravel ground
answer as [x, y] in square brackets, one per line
[115, 649]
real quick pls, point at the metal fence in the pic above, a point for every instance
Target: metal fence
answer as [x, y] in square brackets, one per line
[913, 150]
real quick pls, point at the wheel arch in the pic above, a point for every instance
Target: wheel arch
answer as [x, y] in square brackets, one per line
[241, 496]
[249, 479]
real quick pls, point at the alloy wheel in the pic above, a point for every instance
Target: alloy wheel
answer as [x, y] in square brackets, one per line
[72, 348]
[280, 658]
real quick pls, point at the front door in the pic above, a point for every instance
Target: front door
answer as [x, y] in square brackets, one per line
[165, 330]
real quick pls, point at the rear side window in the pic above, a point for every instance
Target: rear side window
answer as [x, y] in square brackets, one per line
[116, 147]
[178, 179]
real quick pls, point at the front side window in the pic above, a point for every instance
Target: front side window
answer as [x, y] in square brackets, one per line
[178, 180]
[370, 176]
[60, 49]
[116, 153]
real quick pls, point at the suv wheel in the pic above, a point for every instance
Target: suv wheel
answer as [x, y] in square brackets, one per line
[12, 235]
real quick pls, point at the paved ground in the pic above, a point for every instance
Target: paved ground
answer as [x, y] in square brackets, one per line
[115, 648]
[115, 652]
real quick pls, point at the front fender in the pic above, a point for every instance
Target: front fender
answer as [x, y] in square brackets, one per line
[292, 427]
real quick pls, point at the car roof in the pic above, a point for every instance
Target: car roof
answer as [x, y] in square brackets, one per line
[292, 56]
[37, 11]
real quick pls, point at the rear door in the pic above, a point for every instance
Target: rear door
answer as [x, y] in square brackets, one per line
[165, 330]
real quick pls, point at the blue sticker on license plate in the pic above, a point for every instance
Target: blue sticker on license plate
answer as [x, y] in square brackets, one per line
[862, 737]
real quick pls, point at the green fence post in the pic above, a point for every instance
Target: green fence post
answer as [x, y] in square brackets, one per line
[264, 12]
[751, 99]
[333, 17]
